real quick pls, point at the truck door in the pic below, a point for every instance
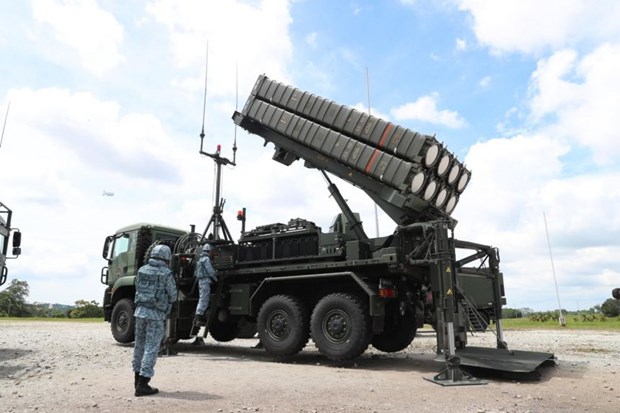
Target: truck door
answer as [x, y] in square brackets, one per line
[120, 260]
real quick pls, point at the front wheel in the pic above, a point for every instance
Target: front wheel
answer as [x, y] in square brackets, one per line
[340, 326]
[123, 322]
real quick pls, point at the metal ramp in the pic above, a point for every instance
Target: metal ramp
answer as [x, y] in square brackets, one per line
[509, 363]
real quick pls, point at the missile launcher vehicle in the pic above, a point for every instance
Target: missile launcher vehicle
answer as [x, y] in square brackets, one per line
[341, 288]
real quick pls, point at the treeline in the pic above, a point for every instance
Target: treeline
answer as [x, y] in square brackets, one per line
[13, 304]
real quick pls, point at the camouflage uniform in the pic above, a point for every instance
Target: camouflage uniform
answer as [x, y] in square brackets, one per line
[155, 293]
[206, 275]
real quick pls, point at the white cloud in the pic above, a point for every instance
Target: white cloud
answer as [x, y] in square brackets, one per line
[61, 149]
[93, 33]
[485, 81]
[514, 181]
[544, 168]
[263, 46]
[581, 95]
[425, 109]
[311, 39]
[533, 26]
[461, 45]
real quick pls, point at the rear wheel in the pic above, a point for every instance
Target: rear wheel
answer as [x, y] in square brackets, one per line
[399, 330]
[283, 325]
[123, 322]
[340, 326]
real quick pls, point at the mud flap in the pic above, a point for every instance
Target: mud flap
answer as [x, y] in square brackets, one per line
[506, 363]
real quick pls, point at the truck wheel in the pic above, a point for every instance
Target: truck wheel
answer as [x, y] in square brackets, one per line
[123, 322]
[283, 325]
[223, 332]
[398, 333]
[246, 329]
[340, 327]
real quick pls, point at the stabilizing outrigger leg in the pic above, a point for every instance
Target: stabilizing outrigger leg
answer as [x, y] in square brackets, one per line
[452, 374]
[451, 321]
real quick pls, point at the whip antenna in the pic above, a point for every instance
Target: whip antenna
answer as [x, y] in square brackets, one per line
[368, 96]
[204, 102]
[7, 115]
[236, 106]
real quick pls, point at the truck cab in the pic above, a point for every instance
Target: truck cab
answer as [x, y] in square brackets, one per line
[125, 252]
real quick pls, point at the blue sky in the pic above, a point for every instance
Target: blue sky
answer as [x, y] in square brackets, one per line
[108, 96]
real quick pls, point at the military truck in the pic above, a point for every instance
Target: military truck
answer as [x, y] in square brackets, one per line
[341, 288]
[5, 239]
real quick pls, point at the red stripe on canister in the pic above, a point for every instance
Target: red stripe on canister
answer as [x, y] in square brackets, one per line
[373, 158]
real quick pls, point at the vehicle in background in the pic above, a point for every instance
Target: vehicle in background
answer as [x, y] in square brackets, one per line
[8, 236]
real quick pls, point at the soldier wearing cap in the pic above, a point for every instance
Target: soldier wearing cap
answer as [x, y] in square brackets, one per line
[155, 293]
[206, 275]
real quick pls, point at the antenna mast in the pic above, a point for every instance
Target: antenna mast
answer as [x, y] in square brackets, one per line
[217, 220]
[561, 319]
[4, 126]
[368, 95]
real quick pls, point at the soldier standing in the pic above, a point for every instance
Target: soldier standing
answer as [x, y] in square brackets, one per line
[155, 293]
[205, 273]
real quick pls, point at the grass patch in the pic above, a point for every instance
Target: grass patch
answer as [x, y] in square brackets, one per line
[572, 323]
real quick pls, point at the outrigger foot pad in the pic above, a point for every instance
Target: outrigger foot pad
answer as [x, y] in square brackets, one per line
[453, 375]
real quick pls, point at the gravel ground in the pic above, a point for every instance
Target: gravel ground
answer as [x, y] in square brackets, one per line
[74, 367]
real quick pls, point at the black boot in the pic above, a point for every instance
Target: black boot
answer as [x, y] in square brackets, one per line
[135, 380]
[200, 320]
[143, 388]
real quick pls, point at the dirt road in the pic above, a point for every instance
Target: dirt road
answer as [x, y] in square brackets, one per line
[74, 367]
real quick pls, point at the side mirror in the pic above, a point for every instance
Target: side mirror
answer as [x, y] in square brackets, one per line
[17, 242]
[17, 239]
[106, 247]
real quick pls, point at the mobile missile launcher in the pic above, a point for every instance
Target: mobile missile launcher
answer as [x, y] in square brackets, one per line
[341, 288]
[5, 238]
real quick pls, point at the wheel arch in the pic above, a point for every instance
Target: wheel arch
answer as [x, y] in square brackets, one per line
[124, 287]
[310, 291]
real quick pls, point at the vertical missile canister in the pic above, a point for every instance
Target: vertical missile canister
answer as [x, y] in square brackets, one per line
[417, 166]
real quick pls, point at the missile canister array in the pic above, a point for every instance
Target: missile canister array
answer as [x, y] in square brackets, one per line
[416, 166]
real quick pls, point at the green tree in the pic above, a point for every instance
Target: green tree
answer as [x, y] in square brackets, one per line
[511, 313]
[86, 309]
[611, 308]
[13, 299]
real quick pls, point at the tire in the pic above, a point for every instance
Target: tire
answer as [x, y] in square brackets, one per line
[398, 332]
[123, 323]
[222, 332]
[283, 326]
[246, 329]
[340, 327]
